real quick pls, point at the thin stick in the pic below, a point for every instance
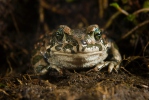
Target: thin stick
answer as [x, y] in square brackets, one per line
[134, 29]
[145, 48]
[15, 23]
[111, 19]
[140, 10]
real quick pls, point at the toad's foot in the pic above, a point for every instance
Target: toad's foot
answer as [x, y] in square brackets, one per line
[111, 65]
[41, 70]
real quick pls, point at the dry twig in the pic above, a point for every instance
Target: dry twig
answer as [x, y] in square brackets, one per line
[134, 29]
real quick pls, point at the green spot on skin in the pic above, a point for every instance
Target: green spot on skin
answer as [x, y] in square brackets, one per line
[70, 40]
[99, 46]
[58, 47]
[39, 68]
[90, 45]
[68, 46]
[36, 59]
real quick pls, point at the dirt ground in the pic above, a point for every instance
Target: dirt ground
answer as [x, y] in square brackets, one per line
[23, 22]
[76, 86]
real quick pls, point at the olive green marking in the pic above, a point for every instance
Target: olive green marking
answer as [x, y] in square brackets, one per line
[68, 37]
[99, 46]
[39, 68]
[74, 43]
[70, 40]
[52, 43]
[46, 55]
[36, 59]
[58, 47]
[68, 46]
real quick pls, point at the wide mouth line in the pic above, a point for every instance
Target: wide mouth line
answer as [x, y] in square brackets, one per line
[78, 53]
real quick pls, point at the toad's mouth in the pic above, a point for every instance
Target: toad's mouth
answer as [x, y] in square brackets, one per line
[78, 60]
[78, 54]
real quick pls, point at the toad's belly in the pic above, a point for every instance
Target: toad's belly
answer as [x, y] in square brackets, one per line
[79, 60]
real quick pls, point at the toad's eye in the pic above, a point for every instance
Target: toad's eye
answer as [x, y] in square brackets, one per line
[97, 34]
[59, 35]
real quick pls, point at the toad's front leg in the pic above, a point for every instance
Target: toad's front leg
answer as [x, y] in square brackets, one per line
[114, 62]
[40, 66]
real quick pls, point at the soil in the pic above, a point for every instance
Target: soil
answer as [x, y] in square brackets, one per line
[23, 22]
[80, 85]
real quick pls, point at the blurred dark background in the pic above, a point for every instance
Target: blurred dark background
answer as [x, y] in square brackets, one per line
[23, 21]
